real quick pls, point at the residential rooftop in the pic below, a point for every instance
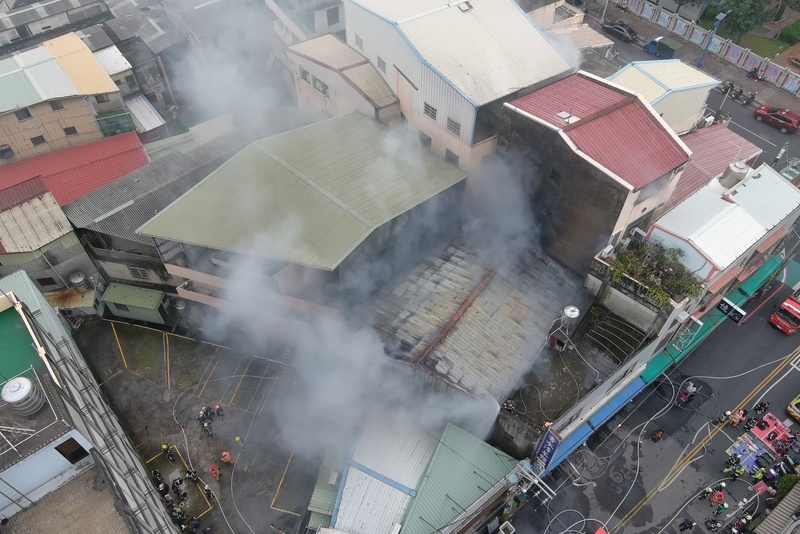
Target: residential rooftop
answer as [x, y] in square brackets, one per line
[70, 173]
[144, 116]
[615, 128]
[656, 79]
[327, 50]
[63, 67]
[485, 49]
[358, 176]
[112, 60]
[713, 149]
[31, 218]
[503, 310]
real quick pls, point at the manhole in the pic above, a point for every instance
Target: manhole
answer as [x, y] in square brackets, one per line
[617, 478]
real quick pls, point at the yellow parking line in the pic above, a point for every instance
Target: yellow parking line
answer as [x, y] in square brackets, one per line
[280, 485]
[209, 376]
[240, 382]
[169, 381]
[124, 361]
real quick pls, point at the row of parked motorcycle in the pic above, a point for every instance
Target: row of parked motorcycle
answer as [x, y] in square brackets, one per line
[737, 93]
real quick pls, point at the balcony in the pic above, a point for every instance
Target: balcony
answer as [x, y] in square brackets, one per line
[648, 273]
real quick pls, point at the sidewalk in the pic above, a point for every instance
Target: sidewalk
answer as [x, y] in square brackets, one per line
[691, 53]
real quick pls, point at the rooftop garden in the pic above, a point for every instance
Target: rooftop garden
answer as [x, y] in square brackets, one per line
[658, 269]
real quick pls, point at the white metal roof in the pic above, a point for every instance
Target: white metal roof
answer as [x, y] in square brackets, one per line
[654, 79]
[767, 196]
[144, 116]
[485, 49]
[33, 56]
[51, 81]
[32, 224]
[581, 36]
[372, 84]
[328, 50]
[385, 470]
[724, 226]
[112, 60]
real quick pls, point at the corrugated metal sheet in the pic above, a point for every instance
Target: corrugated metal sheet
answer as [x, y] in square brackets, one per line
[38, 11]
[328, 50]
[95, 37]
[33, 56]
[323, 498]
[50, 81]
[486, 52]
[136, 297]
[16, 90]
[369, 506]
[673, 74]
[396, 450]
[19, 193]
[495, 339]
[80, 65]
[144, 116]
[720, 230]
[372, 84]
[766, 196]
[461, 471]
[310, 207]
[614, 128]
[112, 60]
[781, 516]
[32, 224]
[713, 149]
[636, 81]
[396, 11]
[71, 173]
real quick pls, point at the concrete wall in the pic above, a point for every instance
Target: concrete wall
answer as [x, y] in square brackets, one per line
[139, 314]
[126, 81]
[621, 304]
[577, 205]
[342, 97]
[45, 121]
[682, 109]
[321, 25]
[42, 472]
[57, 261]
[514, 437]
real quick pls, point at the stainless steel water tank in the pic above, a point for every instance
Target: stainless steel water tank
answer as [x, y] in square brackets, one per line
[25, 397]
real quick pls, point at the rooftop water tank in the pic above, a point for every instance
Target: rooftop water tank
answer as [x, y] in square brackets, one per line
[80, 282]
[735, 173]
[23, 396]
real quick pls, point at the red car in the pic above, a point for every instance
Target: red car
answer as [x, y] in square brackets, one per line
[783, 119]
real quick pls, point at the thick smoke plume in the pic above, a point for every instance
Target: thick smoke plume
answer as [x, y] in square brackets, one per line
[340, 372]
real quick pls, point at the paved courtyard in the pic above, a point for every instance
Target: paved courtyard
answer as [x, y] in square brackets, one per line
[157, 383]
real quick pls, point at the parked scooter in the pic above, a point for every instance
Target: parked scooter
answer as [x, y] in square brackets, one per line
[737, 93]
[749, 99]
[727, 87]
[755, 74]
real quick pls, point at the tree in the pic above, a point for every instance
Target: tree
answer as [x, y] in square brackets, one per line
[744, 15]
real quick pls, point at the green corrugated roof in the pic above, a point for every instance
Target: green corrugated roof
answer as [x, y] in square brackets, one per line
[309, 196]
[17, 91]
[317, 520]
[462, 469]
[149, 299]
[323, 497]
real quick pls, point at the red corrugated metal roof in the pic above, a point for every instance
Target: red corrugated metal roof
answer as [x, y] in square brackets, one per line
[713, 149]
[614, 128]
[22, 192]
[71, 173]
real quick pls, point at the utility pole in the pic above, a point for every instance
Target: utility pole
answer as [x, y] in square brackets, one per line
[720, 18]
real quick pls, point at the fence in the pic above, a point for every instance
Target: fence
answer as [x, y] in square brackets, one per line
[725, 49]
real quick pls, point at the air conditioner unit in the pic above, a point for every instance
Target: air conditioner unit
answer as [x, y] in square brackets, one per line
[6, 151]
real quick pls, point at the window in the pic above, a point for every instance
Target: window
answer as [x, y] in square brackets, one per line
[131, 81]
[381, 65]
[430, 111]
[534, 162]
[305, 76]
[450, 157]
[121, 307]
[333, 16]
[46, 281]
[118, 83]
[359, 42]
[101, 98]
[164, 275]
[152, 136]
[453, 127]
[152, 98]
[56, 105]
[38, 140]
[555, 177]
[425, 140]
[72, 451]
[137, 272]
[71, 130]
[321, 87]
[23, 114]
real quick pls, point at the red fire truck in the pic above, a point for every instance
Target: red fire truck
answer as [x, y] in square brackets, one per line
[787, 317]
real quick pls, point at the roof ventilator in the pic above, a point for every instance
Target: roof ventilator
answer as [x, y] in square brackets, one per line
[464, 6]
[567, 117]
